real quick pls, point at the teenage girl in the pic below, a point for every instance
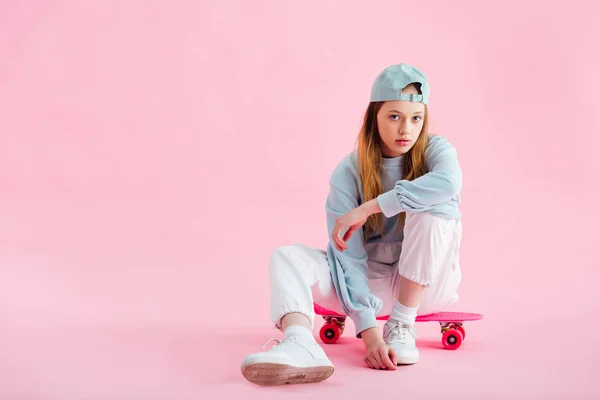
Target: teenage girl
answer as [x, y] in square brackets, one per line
[395, 231]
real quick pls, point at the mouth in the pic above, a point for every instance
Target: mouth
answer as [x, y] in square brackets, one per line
[402, 142]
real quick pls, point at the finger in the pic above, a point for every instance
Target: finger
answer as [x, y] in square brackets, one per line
[368, 362]
[338, 229]
[338, 243]
[335, 234]
[350, 232]
[374, 362]
[394, 357]
[377, 357]
[386, 359]
[334, 238]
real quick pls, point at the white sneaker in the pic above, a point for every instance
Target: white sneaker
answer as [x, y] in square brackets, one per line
[292, 360]
[401, 337]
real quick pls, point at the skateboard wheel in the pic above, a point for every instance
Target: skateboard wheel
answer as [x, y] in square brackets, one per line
[330, 333]
[462, 330]
[452, 339]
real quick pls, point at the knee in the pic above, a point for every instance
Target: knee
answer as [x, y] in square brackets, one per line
[424, 218]
[282, 258]
[279, 254]
[429, 223]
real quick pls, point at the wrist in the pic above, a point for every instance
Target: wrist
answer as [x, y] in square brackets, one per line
[371, 207]
[370, 335]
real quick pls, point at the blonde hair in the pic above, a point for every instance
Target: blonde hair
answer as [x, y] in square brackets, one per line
[369, 164]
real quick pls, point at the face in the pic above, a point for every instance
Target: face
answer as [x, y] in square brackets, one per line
[400, 123]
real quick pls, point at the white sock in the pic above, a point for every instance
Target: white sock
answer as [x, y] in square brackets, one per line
[404, 314]
[299, 331]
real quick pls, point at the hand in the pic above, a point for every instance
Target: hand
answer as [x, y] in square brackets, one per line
[352, 221]
[379, 355]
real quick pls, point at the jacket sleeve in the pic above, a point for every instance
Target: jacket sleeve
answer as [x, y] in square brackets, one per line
[349, 268]
[442, 183]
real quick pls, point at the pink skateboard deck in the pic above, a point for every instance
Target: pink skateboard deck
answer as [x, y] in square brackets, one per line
[451, 323]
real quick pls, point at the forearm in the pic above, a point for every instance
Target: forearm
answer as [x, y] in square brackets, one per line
[371, 207]
[370, 336]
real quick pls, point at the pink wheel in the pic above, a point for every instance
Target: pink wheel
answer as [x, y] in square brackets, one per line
[452, 339]
[330, 333]
[462, 330]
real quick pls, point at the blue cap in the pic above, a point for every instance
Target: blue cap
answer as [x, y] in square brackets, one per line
[389, 84]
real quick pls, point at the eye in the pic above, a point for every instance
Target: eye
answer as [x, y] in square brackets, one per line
[392, 116]
[419, 118]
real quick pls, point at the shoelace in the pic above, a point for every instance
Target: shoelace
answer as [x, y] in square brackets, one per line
[398, 332]
[279, 343]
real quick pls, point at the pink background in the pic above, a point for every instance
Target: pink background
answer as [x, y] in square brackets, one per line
[153, 154]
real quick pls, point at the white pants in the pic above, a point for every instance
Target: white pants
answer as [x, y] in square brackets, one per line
[429, 254]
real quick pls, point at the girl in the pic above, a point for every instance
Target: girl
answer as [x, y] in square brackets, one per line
[395, 233]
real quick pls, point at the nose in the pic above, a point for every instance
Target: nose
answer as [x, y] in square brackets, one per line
[403, 127]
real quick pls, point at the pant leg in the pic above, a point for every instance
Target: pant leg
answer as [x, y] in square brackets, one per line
[430, 256]
[300, 275]
[383, 273]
